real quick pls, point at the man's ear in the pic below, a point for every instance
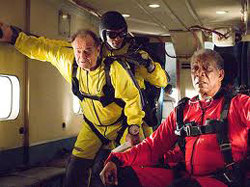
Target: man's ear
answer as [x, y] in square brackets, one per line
[221, 74]
[99, 49]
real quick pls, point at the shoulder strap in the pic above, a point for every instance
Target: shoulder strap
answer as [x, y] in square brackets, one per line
[75, 82]
[234, 173]
[129, 71]
[108, 88]
[222, 131]
[75, 86]
[180, 124]
[101, 137]
[107, 63]
[227, 100]
[179, 112]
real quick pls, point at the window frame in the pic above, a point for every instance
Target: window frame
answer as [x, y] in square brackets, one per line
[14, 107]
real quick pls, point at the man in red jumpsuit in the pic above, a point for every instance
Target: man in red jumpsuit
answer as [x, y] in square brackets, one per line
[205, 162]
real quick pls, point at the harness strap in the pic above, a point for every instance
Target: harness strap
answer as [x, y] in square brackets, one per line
[104, 140]
[233, 173]
[233, 177]
[179, 123]
[75, 82]
[150, 111]
[108, 89]
[75, 86]
[121, 131]
[129, 71]
[222, 132]
[212, 126]
[180, 108]
[149, 118]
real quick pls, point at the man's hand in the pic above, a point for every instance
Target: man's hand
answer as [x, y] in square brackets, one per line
[109, 174]
[6, 33]
[149, 62]
[141, 58]
[133, 140]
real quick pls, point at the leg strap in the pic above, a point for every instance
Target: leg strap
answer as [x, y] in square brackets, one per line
[104, 140]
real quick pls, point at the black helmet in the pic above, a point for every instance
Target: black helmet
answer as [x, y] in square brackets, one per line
[111, 20]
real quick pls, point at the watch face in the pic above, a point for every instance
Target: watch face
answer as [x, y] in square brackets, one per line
[134, 129]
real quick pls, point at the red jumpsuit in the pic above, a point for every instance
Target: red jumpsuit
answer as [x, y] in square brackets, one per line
[203, 155]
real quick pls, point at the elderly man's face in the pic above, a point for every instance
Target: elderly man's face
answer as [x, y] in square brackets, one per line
[206, 77]
[86, 52]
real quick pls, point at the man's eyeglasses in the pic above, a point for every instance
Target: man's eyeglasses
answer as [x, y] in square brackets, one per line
[113, 34]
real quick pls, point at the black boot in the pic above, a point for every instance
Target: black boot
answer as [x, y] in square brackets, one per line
[77, 172]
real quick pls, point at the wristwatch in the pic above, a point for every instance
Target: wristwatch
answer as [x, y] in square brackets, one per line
[134, 130]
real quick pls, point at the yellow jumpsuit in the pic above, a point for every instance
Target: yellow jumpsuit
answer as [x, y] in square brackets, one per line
[91, 82]
[157, 78]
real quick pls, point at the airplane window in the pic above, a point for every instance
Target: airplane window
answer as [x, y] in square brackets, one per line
[76, 105]
[9, 97]
[174, 95]
[170, 65]
[170, 100]
[209, 45]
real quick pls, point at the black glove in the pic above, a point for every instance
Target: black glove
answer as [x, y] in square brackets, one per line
[1, 33]
[141, 58]
[15, 34]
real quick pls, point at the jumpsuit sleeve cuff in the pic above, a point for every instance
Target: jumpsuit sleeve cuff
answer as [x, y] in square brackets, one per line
[114, 159]
[117, 162]
[151, 68]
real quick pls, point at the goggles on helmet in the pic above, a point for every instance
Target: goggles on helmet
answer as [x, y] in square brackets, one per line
[114, 34]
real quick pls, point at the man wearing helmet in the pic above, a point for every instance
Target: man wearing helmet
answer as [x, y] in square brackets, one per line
[113, 31]
[116, 39]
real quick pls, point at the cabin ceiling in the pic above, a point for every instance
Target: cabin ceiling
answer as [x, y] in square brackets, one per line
[172, 15]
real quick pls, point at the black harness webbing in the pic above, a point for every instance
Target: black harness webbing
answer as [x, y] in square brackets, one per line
[222, 132]
[105, 100]
[104, 140]
[180, 108]
[108, 89]
[129, 71]
[133, 58]
[150, 117]
[121, 131]
[233, 173]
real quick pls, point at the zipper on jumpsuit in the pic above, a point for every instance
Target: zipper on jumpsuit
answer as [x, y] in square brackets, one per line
[192, 156]
[100, 123]
[92, 100]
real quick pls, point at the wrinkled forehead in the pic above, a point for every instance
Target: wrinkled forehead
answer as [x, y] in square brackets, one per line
[203, 60]
[83, 41]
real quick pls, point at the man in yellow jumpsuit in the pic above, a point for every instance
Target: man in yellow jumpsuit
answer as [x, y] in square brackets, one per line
[113, 32]
[91, 76]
